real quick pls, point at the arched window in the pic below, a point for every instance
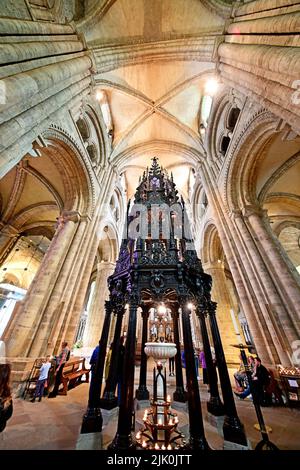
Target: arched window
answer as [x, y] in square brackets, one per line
[224, 144]
[232, 118]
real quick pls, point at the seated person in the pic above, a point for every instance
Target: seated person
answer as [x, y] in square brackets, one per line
[240, 376]
[260, 380]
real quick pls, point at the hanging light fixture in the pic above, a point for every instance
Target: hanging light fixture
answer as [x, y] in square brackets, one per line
[35, 250]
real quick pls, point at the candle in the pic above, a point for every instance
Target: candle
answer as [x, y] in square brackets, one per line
[159, 421]
[169, 398]
[176, 419]
[144, 444]
[170, 422]
[236, 328]
[163, 447]
[156, 447]
[138, 435]
[169, 447]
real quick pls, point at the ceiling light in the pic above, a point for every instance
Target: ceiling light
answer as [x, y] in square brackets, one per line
[211, 86]
[99, 95]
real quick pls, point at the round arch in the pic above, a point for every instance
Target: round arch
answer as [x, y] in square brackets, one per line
[74, 168]
[244, 155]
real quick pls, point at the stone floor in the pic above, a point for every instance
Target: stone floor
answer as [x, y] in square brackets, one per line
[55, 424]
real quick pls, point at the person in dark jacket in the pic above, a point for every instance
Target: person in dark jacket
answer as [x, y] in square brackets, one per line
[60, 362]
[6, 403]
[94, 358]
[260, 380]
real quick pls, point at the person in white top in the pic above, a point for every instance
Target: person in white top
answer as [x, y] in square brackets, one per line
[42, 380]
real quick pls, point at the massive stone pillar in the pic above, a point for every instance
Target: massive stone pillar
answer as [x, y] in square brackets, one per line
[273, 298]
[49, 337]
[242, 270]
[78, 285]
[221, 295]
[276, 264]
[30, 318]
[96, 313]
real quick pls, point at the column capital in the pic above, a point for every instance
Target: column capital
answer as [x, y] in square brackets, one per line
[235, 213]
[8, 230]
[105, 265]
[253, 209]
[66, 216]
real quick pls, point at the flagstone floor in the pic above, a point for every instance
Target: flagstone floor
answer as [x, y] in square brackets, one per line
[55, 424]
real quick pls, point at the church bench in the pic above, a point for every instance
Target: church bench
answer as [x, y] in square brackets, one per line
[73, 370]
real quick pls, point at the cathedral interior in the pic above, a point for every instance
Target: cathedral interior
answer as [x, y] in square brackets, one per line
[109, 103]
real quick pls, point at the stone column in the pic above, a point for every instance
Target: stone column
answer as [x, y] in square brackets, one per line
[80, 286]
[24, 328]
[95, 315]
[264, 291]
[142, 393]
[92, 420]
[197, 438]
[179, 394]
[288, 288]
[214, 405]
[48, 338]
[233, 429]
[241, 269]
[220, 295]
[124, 439]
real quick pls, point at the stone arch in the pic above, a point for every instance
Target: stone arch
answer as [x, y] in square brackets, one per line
[99, 134]
[212, 250]
[199, 202]
[108, 243]
[244, 153]
[74, 168]
[12, 279]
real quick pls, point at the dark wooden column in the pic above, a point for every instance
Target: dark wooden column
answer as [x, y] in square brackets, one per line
[92, 420]
[233, 429]
[124, 439]
[109, 400]
[197, 437]
[214, 405]
[179, 394]
[142, 393]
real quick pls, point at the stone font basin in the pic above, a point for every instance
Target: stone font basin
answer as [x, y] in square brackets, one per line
[160, 351]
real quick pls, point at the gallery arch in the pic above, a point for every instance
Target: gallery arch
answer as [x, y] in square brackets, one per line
[258, 206]
[53, 214]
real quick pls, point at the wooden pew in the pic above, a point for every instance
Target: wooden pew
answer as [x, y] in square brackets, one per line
[73, 371]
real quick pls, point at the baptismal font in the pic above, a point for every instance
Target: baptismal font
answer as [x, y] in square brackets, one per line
[160, 422]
